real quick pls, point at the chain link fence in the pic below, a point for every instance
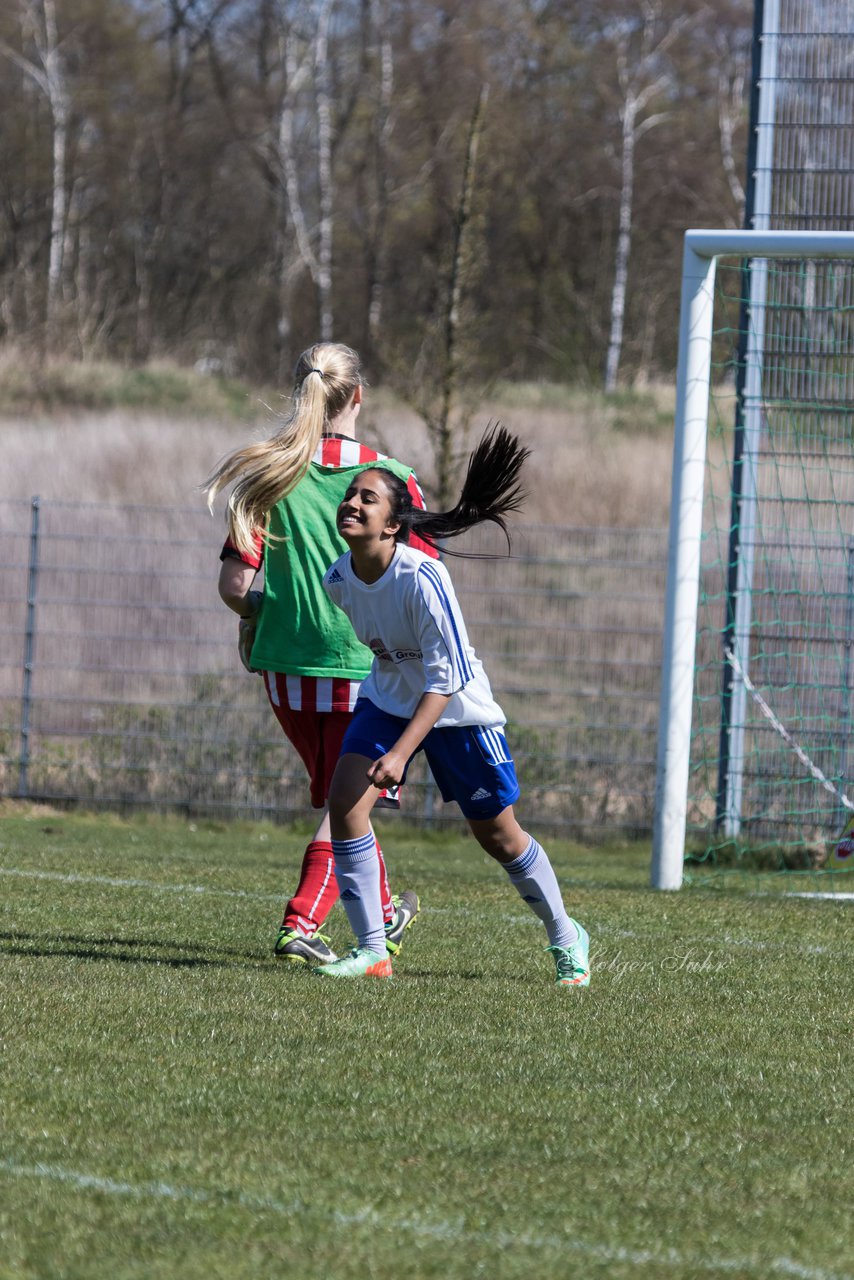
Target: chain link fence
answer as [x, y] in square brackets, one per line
[120, 685]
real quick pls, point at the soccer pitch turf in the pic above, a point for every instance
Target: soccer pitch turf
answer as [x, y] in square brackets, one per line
[177, 1103]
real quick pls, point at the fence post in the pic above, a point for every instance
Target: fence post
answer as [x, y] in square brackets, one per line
[29, 651]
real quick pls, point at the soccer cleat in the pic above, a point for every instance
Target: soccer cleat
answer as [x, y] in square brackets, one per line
[294, 946]
[406, 909]
[360, 963]
[573, 963]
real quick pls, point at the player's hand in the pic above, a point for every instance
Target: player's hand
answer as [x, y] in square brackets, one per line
[387, 771]
[245, 641]
[246, 628]
[251, 606]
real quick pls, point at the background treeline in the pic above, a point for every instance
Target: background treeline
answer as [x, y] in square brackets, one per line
[494, 186]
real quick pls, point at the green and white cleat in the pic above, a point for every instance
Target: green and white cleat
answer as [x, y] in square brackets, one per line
[360, 963]
[573, 963]
[406, 908]
[300, 949]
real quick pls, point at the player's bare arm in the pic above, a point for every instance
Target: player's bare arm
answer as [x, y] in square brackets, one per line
[235, 582]
[388, 770]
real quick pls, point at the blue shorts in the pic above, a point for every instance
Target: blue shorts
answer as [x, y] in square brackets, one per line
[470, 764]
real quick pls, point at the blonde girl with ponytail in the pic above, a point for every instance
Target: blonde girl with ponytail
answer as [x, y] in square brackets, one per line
[327, 383]
[281, 517]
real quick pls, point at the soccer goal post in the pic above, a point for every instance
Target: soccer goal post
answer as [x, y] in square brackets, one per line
[759, 603]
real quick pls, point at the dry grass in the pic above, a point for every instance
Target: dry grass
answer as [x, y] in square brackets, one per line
[118, 456]
[142, 687]
[594, 462]
[585, 473]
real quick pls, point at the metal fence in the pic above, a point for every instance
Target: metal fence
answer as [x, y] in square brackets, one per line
[807, 105]
[120, 685]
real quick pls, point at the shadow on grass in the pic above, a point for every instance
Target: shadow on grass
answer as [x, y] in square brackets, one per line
[73, 946]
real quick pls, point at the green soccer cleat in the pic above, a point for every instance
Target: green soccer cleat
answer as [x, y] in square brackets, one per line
[299, 949]
[406, 908]
[573, 963]
[360, 963]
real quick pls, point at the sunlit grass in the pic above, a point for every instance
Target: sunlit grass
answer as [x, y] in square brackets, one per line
[177, 1103]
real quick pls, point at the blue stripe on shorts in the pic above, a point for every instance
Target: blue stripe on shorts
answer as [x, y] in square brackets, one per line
[470, 764]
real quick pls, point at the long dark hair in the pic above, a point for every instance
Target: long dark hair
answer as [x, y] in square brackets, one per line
[490, 491]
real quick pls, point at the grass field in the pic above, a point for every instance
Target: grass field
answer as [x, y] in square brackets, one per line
[175, 1103]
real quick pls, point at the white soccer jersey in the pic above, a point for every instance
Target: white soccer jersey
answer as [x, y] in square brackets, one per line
[410, 619]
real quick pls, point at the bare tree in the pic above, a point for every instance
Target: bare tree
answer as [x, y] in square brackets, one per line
[642, 76]
[297, 37]
[170, 201]
[382, 130]
[47, 71]
[461, 262]
[322, 91]
[732, 74]
[304, 60]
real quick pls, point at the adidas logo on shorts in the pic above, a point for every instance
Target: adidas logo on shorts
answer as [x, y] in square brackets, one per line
[481, 794]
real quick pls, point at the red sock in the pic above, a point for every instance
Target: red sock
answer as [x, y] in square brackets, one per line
[317, 891]
[385, 891]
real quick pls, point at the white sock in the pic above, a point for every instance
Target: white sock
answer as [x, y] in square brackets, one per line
[359, 886]
[533, 875]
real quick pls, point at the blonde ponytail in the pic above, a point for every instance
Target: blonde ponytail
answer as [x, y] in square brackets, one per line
[325, 378]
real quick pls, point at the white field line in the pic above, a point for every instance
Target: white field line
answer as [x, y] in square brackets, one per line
[831, 897]
[453, 1231]
[64, 877]
[155, 886]
[118, 882]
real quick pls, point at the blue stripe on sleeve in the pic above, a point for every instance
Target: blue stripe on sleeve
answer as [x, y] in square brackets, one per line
[429, 572]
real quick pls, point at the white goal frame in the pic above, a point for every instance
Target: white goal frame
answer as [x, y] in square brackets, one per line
[699, 263]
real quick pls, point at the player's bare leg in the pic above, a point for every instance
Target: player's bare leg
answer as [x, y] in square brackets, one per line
[300, 939]
[351, 798]
[532, 875]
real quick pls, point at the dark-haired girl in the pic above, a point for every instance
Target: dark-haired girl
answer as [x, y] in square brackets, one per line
[427, 690]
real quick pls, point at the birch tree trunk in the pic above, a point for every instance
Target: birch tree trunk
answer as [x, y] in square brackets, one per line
[458, 278]
[324, 173]
[730, 109]
[624, 243]
[640, 80]
[382, 133]
[293, 70]
[297, 70]
[60, 112]
[49, 75]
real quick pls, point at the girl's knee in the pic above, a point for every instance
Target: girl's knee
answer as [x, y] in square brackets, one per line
[502, 837]
[351, 795]
[495, 843]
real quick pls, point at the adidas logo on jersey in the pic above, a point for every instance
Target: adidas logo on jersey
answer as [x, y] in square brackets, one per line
[481, 794]
[335, 576]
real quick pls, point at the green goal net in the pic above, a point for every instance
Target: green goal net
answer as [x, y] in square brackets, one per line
[772, 746]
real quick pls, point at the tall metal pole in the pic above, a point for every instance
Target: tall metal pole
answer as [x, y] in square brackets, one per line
[683, 568]
[748, 427]
[29, 652]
